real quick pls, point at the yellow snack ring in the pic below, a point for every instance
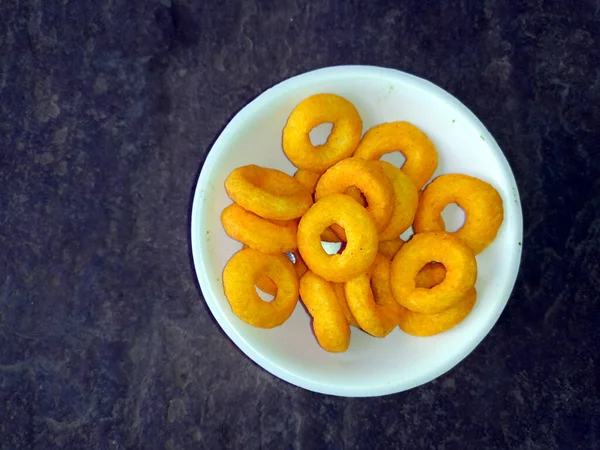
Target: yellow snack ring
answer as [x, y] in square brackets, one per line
[360, 250]
[369, 178]
[391, 247]
[481, 202]
[341, 295]
[406, 200]
[314, 111]
[268, 193]
[452, 252]
[307, 179]
[382, 292]
[265, 284]
[329, 323]
[239, 278]
[420, 153]
[260, 234]
[338, 231]
[371, 317]
[419, 324]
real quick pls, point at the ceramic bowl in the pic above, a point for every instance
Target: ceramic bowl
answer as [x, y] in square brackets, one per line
[371, 366]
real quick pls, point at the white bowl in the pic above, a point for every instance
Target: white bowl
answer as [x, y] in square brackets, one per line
[371, 366]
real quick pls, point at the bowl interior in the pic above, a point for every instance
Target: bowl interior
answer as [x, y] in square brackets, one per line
[371, 366]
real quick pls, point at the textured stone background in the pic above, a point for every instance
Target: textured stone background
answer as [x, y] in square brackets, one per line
[107, 109]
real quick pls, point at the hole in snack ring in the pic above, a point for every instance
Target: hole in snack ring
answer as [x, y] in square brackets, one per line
[265, 296]
[454, 217]
[319, 135]
[396, 158]
[333, 248]
[430, 275]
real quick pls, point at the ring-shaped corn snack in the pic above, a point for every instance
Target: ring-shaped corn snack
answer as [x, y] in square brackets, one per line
[239, 279]
[452, 252]
[376, 319]
[267, 236]
[481, 202]
[382, 291]
[339, 290]
[406, 200]
[360, 250]
[419, 324]
[329, 323]
[307, 179]
[420, 153]
[267, 285]
[391, 247]
[369, 178]
[268, 193]
[314, 111]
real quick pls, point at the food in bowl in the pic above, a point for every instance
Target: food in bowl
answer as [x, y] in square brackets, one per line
[425, 286]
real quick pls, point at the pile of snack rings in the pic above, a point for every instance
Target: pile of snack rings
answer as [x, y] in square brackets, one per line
[343, 193]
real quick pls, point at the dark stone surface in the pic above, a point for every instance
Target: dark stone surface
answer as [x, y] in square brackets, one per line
[107, 109]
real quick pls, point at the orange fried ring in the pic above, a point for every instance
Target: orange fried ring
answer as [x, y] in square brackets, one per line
[261, 234]
[480, 201]
[307, 179]
[310, 179]
[420, 153]
[360, 251]
[341, 295]
[452, 252]
[268, 193]
[382, 292]
[314, 111]
[406, 199]
[391, 247]
[267, 285]
[372, 317]
[369, 178]
[419, 324]
[329, 323]
[239, 278]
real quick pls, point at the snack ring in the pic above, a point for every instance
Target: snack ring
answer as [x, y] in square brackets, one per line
[382, 292]
[329, 323]
[406, 200]
[239, 278]
[266, 285]
[369, 178]
[442, 247]
[341, 295]
[419, 324]
[338, 232]
[268, 193]
[360, 250]
[373, 317]
[482, 204]
[390, 248]
[307, 179]
[420, 153]
[314, 111]
[261, 234]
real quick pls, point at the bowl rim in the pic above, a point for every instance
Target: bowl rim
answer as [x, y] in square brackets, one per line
[244, 114]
